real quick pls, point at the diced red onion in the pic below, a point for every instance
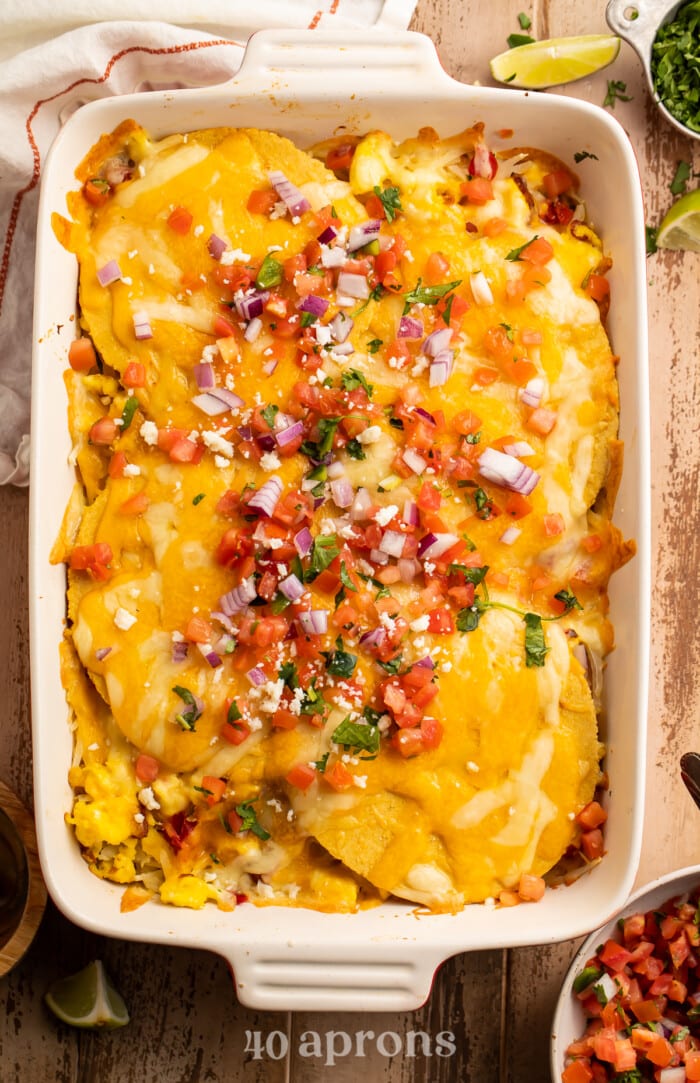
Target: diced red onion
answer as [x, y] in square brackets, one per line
[238, 598]
[341, 326]
[250, 305]
[286, 436]
[101, 653]
[425, 663]
[142, 326]
[425, 415]
[179, 652]
[336, 469]
[410, 512]
[303, 541]
[482, 164]
[410, 328]
[533, 391]
[307, 484]
[353, 285]
[109, 273]
[266, 498]
[209, 404]
[408, 569]
[329, 234]
[392, 543]
[375, 638]
[361, 504]
[204, 376]
[223, 619]
[217, 246]
[436, 342]
[519, 448]
[313, 304]
[270, 366]
[507, 471]
[116, 170]
[245, 432]
[292, 587]
[510, 535]
[440, 368]
[318, 500]
[378, 557]
[432, 546]
[672, 1075]
[333, 257]
[481, 289]
[257, 676]
[343, 492]
[314, 621]
[252, 331]
[343, 349]
[363, 234]
[296, 201]
[413, 460]
[207, 651]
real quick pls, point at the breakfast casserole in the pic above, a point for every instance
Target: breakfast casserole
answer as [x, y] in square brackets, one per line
[345, 430]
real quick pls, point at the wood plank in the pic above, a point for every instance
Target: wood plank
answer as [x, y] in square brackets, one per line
[447, 1039]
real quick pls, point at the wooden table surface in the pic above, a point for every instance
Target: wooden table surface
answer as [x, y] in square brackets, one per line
[187, 1026]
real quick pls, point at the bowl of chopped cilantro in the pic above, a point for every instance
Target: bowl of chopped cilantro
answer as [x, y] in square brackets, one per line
[666, 36]
[629, 1008]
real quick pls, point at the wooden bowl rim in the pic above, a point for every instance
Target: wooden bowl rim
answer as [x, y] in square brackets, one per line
[35, 903]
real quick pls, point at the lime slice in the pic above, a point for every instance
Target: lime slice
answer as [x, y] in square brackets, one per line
[680, 228]
[555, 61]
[88, 999]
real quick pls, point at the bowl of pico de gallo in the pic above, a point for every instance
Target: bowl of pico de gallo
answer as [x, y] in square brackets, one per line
[629, 1007]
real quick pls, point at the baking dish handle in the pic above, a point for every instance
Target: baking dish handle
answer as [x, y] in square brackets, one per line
[350, 977]
[337, 63]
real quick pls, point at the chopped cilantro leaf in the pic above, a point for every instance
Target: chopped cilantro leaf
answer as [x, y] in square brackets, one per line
[508, 330]
[473, 437]
[321, 764]
[447, 311]
[393, 666]
[674, 65]
[428, 295]
[581, 155]
[198, 498]
[233, 715]
[250, 820]
[339, 663]
[270, 413]
[307, 318]
[279, 603]
[374, 344]
[515, 253]
[354, 449]
[130, 407]
[568, 599]
[524, 20]
[358, 737]
[345, 577]
[187, 719]
[616, 92]
[352, 379]
[288, 673]
[535, 648]
[651, 233]
[514, 40]
[471, 575]
[390, 199]
[324, 551]
[469, 617]
[680, 179]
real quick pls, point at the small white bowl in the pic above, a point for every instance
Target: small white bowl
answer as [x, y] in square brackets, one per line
[569, 1020]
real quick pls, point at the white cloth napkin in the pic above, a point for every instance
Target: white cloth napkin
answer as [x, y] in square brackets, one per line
[40, 85]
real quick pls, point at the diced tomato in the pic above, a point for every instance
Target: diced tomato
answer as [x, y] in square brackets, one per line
[692, 1065]
[117, 464]
[553, 524]
[340, 157]
[429, 498]
[478, 190]
[517, 506]
[538, 252]
[531, 888]
[180, 220]
[338, 776]
[223, 328]
[103, 432]
[198, 629]
[541, 420]
[374, 206]
[646, 1011]
[81, 354]
[286, 328]
[485, 376]
[283, 719]
[592, 844]
[233, 548]
[97, 191]
[553, 184]
[593, 815]
[384, 264]
[262, 200]
[146, 768]
[134, 375]
[235, 732]
[301, 776]
[614, 956]
[408, 742]
[440, 622]
[579, 1071]
[215, 786]
[185, 450]
[494, 226]
[597, 287]
[591, 543]
[94, 559]
[135, 505]
[234, 821]
[497, 343]
[431, 732]
[437, 268]
[518, 369]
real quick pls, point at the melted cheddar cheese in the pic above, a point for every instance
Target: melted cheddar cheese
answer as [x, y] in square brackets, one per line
[340, 543]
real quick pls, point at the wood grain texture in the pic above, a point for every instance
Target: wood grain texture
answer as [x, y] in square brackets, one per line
[187, 1026]
[31, 889]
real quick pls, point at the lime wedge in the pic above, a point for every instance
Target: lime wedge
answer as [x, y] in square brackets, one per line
[680, 228]
[88, 999]
[555, 61]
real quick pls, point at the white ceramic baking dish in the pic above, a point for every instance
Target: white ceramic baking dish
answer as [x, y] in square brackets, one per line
[308, 86]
